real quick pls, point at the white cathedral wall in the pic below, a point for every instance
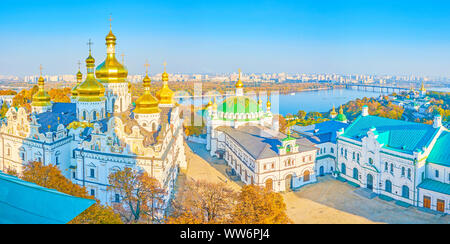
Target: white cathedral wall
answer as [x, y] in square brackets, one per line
[379, 178]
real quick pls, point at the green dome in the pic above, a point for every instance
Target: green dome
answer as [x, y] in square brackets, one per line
[239, 104]
[341, 118]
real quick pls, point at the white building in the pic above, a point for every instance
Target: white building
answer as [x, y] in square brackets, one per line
[88, 139]
[247, 138]
[405, 161]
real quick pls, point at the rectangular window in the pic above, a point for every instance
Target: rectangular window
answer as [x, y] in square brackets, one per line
[92, 192]
[92, 173]
[436, 172]
[57, 161]
[116, 198]
[74, 174]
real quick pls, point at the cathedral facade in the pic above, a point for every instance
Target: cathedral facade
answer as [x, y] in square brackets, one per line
[99, 131]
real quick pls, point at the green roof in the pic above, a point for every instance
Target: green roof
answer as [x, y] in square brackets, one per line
[436, 186]
[341, 117]
[394, 134]
[440, 154]
[239, 104]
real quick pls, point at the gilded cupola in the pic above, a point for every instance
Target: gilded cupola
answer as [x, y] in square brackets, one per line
[41, 98]
[147, 103]
[165, 95]
[111, 70]
[79, 79]
[90, 90]
[239, 83]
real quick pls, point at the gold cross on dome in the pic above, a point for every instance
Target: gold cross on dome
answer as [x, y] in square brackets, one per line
[40, 69]
[79, 64]
[146, 65]
[239, 70]
[123, 58]
[90, 45]
[110, 21]
[165, 63]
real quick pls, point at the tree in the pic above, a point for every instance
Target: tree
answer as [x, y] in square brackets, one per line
[202, 202]
[3, 110]
[50, 176]
[258, 205]
[141, 196]
[301, 114]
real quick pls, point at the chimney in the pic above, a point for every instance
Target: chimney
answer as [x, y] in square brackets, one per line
[437, 122]
[365, 110]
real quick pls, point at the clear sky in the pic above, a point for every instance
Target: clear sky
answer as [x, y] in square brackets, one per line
[326, 36]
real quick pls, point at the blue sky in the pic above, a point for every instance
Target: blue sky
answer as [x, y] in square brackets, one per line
[347, 37]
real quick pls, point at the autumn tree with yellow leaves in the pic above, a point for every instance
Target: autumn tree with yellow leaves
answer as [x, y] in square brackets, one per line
[259, 205]
[202, 202]
[141, 196]
[50, 176]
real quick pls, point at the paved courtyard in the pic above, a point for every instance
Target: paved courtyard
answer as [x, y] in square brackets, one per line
[327, 201]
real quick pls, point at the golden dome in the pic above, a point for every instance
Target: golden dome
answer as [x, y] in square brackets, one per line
[165, 95]
[90, 90]
[268, 104]
[41, 98]
[147, 103]
[111, 70]
[333, 112]
[239, 83]
[79, 79]
[110, 38]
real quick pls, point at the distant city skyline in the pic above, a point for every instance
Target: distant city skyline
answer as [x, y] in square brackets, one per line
[342, 37]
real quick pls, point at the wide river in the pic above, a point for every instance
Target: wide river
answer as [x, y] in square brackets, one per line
[311, 101]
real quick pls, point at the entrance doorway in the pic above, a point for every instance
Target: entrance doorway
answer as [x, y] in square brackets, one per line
[321, 171]
[269, 184]
[370, 182]
[440, 206]
[426, 202]
[288, 183]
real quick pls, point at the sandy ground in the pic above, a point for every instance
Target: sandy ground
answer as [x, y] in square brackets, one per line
[199, 169]
[328, 201]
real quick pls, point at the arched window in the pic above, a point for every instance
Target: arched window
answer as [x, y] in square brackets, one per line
[354, 156]
[332, 150]
[405, 192]
[355, 173]
[409, 173]
[388, 186]
[386, 166]
[370, 161]
[357, 157]
[94, 115]
[306, 176]
[392, 169]
[288, 148]
[84, 115]
[343, 169]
